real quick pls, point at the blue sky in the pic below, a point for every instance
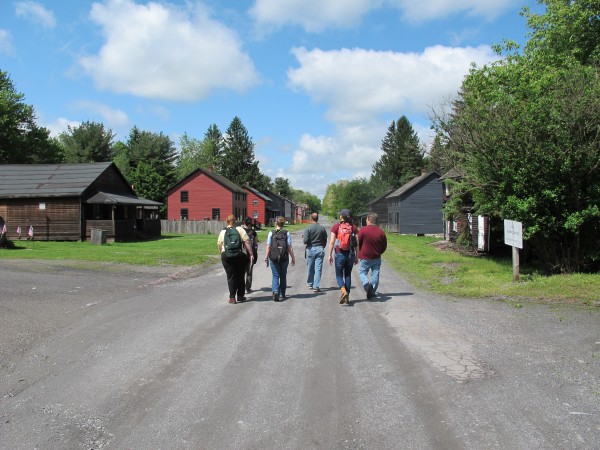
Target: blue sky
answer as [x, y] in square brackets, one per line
[315, 82]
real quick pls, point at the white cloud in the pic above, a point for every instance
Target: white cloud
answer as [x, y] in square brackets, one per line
[435, 9]
[60, 125]
[36, 13]
[359, 85]
[6, 46]
[312, 15]
[161, 51]
[113, 118]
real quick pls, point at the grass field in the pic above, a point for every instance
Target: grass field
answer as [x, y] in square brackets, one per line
[418, 258]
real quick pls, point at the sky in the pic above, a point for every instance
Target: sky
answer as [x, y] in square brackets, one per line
[316, 83]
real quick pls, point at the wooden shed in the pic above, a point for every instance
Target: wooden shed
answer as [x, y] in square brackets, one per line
[416, 207]
[64, 202]
[204, 195]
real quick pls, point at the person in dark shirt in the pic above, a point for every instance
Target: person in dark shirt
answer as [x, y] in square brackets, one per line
[372, 243]
[315, 239]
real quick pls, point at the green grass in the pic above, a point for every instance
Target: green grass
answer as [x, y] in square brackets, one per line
[176, 250]
[423, 264]
[450, 273]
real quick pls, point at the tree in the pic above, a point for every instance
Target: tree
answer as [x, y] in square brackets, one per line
[22, 141]
[87, 142]
[147, 160]
[237, 158]
[526, 133]
[402, 158]
[438, 158]
[282, 187]
[312, 201]
[566, 29]
[195, 153]
[354, 195]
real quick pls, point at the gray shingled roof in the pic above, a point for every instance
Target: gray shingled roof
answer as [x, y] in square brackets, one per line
[48, 180]
[215, 176]
[105, 198]
[255, 192]
[412, 183]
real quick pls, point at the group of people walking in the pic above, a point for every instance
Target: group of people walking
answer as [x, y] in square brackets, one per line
[348, 246]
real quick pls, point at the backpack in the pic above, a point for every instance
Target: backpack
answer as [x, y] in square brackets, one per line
[278, 251]
[232, 242]
[252, 237]
[346, 237]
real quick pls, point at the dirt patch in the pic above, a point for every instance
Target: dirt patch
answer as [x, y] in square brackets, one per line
[446, 246]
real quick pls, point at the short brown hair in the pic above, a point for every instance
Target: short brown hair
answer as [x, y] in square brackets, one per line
[373, 217]
[314, 216]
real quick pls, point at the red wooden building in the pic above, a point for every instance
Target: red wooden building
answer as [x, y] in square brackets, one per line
[257, 204]
[204, 195]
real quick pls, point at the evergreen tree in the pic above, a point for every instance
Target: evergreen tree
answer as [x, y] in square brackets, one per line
[282, 187]
[87, 142]
[402, 158]
[237, 158]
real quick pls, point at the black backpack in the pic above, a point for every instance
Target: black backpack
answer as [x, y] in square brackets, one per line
[232, 242]
[279, 250]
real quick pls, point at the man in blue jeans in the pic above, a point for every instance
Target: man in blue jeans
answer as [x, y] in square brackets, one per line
[372, 243]
[315, 239]
[341, 240]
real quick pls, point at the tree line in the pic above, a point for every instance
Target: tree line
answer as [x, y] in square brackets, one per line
[150, 161]
[523, 134]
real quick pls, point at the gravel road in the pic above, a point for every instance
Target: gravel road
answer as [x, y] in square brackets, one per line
[121, 357]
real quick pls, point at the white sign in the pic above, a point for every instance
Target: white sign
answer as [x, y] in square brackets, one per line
[513, 233]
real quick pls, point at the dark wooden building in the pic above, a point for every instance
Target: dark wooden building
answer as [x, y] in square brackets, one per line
[379, 205]
[416, 208]
[204, 195]
[64, 202]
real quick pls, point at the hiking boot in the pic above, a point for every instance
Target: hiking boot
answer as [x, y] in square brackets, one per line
[369, 289]
[275, 296]
[344, 295]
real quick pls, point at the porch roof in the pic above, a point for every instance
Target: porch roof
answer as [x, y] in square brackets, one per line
[106, 198]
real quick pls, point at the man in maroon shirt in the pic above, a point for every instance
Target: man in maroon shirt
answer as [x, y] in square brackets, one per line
[372, 242]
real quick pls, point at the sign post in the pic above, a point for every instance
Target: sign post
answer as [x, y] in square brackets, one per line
[513, 236]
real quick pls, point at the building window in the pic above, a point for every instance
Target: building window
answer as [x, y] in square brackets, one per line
[183, 196]
[255, 202]
[183, 213]
[255, 214]
[216, 213]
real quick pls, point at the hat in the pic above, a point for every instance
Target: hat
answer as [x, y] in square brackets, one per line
[247, 220]
[345, 213]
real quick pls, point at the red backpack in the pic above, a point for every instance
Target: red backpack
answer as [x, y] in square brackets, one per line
[344, 236]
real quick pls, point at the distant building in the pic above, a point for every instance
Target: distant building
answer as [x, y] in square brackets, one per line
[64, 202]
[416, 207]
[204, 195]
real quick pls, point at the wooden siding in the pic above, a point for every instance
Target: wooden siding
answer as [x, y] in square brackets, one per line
[260, 209]
[59, 220]
[205, 194]
[419, 210]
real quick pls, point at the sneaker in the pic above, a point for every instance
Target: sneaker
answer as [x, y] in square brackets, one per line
[275, 296]
[309, 286]
[370, 291]
[232, 300]
[241, 299]
[316, 290]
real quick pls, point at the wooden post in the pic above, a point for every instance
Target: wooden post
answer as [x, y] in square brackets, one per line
[515, 260]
